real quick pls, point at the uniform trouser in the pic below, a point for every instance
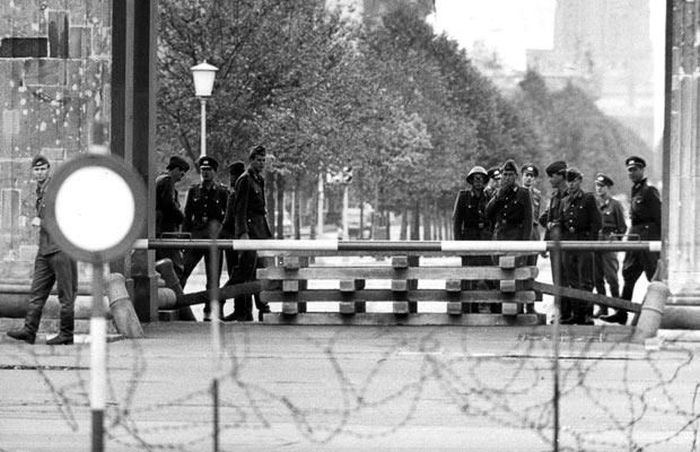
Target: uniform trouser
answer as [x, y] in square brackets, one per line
[55, 268]
[636, 263]
[248, 262]
[534, 235]
[577, 273]
[606, 268]
[242, 305]
[191, 259]
[475, 261]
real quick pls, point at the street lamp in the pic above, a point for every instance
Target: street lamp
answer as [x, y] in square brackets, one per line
[203, 75]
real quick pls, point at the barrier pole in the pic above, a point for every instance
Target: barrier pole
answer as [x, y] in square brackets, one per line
[98, 361]
[556, 277]
[215, 337]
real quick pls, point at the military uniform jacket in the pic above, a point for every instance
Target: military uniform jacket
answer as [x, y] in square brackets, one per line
[645, 211]
[205, 207]
[250, 207]
[579, 217]
[47, 246]
[510, 212]
[551, 214]
[169, 217]
[613, 217]
[536, 198]
[469, 216]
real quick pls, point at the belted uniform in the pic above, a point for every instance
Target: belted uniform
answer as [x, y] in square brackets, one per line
[579, 219]
[606, 263]
[510, 212]
[204, 212]
[645, 213]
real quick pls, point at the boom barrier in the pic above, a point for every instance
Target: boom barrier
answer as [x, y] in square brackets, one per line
[449, 247]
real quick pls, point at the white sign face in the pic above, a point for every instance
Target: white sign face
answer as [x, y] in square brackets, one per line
[94, 208]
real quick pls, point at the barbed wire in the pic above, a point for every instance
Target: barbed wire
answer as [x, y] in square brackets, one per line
[510, 388]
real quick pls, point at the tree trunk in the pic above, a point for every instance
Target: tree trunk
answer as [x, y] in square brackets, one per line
[280, 206]
[427, 225]
[404, 224]
[296, 207]
[415, 226]
[387, 215]
[270, 179]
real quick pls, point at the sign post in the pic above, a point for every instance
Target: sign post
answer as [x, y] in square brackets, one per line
[96, 208]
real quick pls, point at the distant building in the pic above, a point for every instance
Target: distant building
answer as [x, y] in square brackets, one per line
[371, 11]
[604, 47]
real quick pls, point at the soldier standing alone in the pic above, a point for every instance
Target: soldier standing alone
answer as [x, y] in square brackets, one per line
[204, 212]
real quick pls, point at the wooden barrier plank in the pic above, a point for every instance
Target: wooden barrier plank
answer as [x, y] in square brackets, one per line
[512, 261]
[511, 308]
[400, 307]
[453, 285]
[391, 319]
[454, 308]
[588, 297]
[387, 295]
[388, 273]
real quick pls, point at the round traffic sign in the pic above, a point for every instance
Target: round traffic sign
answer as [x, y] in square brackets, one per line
[95, 207]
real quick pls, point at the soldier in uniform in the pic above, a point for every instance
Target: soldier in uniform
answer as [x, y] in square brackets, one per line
[579, 219]
[606, 263]
[242, 305]
[494, 181]
[250, 217]
[51, 265]
[469, 219]
[530, 173]
[510, 210]
[204, 212]
[169, 217]
[549, 220]
[645, 213]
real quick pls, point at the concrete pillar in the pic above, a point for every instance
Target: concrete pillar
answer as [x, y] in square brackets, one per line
[681, 184]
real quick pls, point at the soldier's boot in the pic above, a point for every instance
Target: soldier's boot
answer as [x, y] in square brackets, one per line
[65, 335]
[619, 317]
[31, 325]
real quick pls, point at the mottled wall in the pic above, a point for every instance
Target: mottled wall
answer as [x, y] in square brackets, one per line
[55, 82]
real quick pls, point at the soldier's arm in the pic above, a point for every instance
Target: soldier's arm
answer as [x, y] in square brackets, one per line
[596, 219]
[527, 217]
[169, 205]
[654, 203]
[241, 203]
[458, 216]
[189, 207]
[620, 223]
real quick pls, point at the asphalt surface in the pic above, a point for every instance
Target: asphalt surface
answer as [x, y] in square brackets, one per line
[359, 388]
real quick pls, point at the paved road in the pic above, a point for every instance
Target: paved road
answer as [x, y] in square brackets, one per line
[328, 388]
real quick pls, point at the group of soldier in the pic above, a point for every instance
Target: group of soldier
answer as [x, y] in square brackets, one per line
[496, 207]
[211, 211]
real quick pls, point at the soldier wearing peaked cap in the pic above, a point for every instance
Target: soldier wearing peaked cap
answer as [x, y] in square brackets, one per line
[530, 173]
[494, 180]
[204, 212]
[510, 210]
[613, 219]
[579, 219]
[645, 213]
[169, 217]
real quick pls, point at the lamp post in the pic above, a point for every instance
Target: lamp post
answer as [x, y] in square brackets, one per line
[203, 75]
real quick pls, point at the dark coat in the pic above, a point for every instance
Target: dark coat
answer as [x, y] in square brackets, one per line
[469, 216]
[250, 212]
[613, 217]
[551, 213]
[205, 209]
[579, 217]
[645, 211]
[169, 217]
[47, 245]
[510, 212]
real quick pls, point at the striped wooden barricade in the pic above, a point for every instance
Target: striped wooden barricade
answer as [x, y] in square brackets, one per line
[396, 287]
